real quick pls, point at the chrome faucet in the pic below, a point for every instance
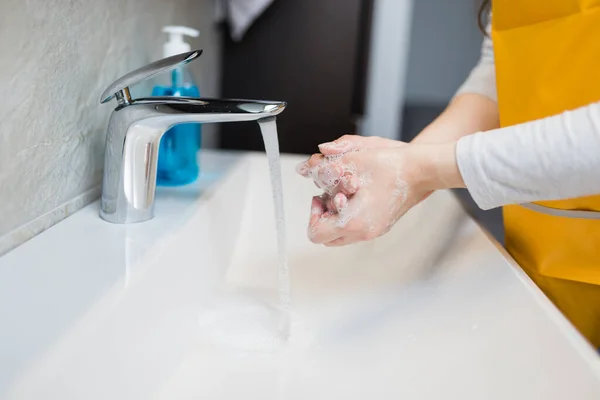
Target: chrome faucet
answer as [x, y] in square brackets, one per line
[136, 127]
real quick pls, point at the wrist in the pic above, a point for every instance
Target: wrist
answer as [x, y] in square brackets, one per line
[438, 166]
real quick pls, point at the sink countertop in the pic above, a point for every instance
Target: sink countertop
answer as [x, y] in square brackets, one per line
[95, 310]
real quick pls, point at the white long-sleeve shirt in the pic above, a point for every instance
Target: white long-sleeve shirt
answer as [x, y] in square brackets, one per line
[548, 159]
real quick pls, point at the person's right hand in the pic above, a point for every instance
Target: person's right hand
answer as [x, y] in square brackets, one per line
[336, 195]
[391, 180]
[367, 189]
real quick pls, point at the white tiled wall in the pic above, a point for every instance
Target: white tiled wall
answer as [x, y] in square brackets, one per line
[56, 57]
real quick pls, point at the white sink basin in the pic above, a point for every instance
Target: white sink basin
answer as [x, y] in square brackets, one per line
[183, 306]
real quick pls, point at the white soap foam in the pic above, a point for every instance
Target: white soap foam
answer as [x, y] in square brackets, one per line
[242, 323]
[246, 321]
[334, 169]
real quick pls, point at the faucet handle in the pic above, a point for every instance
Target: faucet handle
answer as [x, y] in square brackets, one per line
[120, 88]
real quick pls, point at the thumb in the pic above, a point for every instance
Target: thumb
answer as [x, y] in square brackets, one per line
[342, 145]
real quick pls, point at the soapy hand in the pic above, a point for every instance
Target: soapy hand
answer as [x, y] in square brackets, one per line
[369, 183]
[336, 193]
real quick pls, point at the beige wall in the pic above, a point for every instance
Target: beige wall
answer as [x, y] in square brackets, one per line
[56, 57]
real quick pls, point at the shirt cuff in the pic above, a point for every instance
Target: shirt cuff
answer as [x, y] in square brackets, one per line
[472, 172]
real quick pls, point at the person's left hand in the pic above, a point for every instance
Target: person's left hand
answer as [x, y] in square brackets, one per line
[386, 186]
[368, 190]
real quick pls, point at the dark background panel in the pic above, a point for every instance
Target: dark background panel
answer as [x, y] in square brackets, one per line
[312, 54]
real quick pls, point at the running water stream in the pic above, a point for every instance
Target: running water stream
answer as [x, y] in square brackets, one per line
[268, 129]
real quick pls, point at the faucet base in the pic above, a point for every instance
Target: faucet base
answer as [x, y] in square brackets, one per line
[126, 218]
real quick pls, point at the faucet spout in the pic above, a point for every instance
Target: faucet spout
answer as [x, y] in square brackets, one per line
[134, 132]
[188, 109]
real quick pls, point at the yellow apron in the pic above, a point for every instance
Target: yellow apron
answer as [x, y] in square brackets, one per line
[548, 61]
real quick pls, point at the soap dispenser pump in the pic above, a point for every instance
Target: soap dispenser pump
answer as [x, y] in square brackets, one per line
[177, 155]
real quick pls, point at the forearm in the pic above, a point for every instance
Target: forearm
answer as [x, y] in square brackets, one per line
[548, 159]
[468, 113]
[435, 147]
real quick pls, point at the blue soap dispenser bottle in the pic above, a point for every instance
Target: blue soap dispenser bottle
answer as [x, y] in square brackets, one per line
[179, 146]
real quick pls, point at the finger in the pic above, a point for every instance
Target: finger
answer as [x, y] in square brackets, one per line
[426, 196]
[302, 169]
[342, 145]
[325, 229]
[314, 160]
[330, 204]
[335, 148]
[349, 184]
[348, 143]
[339, 202]
[329, 175]
[343, 241]
[317, 209]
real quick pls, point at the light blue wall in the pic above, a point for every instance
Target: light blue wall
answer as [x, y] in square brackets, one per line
[445, 45]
